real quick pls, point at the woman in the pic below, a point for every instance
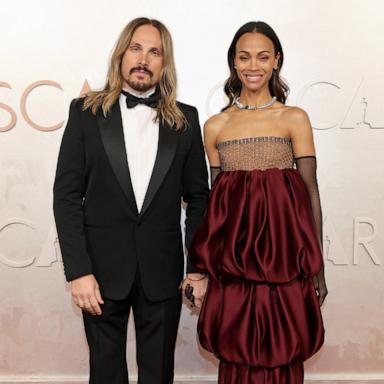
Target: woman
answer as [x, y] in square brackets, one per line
[260, 242]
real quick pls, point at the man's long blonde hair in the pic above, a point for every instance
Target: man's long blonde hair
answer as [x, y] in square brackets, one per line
[167, 110]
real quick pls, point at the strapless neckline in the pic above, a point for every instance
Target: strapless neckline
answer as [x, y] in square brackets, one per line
[254, 139]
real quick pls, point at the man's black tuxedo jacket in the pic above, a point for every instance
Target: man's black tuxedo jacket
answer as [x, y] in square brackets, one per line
[99, 228]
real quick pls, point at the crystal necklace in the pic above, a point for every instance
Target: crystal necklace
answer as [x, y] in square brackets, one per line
[253, 107]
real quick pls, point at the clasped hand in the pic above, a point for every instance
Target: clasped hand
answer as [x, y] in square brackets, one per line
[194, 287]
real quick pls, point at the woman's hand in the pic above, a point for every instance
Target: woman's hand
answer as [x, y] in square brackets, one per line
[320, 286]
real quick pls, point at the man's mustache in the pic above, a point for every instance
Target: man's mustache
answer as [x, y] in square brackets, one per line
[141, 68]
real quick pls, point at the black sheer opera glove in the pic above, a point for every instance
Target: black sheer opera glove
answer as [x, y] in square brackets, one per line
[306, 165]
[214, 173]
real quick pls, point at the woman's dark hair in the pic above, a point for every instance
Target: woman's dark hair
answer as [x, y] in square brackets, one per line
[277, 86]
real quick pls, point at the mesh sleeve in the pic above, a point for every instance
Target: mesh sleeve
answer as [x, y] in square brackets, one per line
[214, 173]
[306, 166]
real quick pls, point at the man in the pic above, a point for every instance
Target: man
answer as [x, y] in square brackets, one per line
[129, 153]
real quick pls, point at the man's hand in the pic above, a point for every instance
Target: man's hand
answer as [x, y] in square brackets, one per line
[198, 286]
[86, 294]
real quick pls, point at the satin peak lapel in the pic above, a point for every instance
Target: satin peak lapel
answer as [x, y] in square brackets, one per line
[112, 134]
[168, 140]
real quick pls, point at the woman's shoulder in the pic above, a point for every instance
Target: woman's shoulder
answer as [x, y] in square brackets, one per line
[216, 122]
[214, 126]
[293, 115]
[296, 120]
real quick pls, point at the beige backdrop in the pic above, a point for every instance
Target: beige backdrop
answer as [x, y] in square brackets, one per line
[334, 63]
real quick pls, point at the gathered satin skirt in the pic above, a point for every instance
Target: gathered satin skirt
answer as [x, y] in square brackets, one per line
[261, 315]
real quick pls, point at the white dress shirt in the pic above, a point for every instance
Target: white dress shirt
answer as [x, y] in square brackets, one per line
[141, 136]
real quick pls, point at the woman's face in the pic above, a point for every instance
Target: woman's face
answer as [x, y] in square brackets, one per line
[255, 60]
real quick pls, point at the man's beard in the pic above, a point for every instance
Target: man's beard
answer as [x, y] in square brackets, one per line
[140, 87]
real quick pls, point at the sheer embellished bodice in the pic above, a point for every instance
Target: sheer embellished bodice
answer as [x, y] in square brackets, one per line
[262, 152]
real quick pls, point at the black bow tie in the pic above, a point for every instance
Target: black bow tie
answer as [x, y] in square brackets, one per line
[151, 101]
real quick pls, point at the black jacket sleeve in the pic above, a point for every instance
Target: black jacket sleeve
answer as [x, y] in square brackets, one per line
[68, 194]
[195, 183]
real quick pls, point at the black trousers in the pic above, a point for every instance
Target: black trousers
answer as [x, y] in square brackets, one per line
[156, 326]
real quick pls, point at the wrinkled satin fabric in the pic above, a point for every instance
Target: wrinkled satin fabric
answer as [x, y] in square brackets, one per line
[259, 246]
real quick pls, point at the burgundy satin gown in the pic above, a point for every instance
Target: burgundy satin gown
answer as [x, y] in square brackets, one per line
[261, 315]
